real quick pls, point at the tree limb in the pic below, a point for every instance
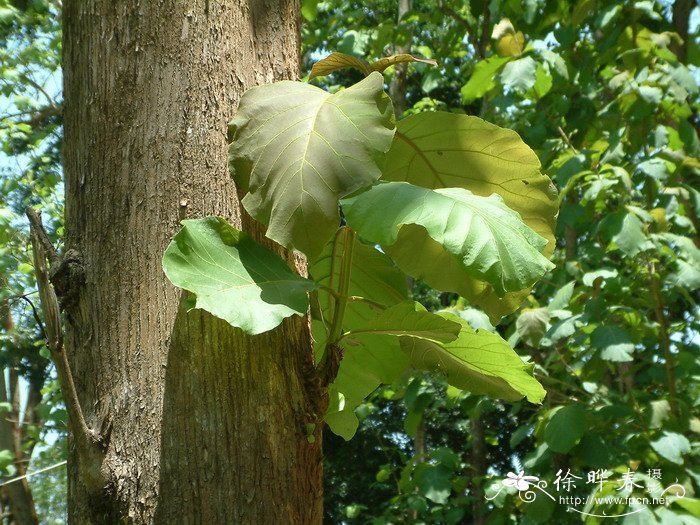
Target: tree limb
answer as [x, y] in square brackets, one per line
[89, 443]
[471, 33]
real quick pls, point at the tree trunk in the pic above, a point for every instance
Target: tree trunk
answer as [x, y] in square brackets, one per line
[480, 466]
[18, 494]
[397, 90]
[681, 23]
[204, 424]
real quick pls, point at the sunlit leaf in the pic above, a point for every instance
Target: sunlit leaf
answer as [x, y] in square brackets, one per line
[520, 74]
[511, 44]
[443, 150]
[672, 446]
[483, 78]
[233, 277]
[479, 361]
[463, 236]
[297, 150]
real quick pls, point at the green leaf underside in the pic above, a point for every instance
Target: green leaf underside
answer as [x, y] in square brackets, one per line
[447, 150]
[297, 150]
[368, 362]
[233, 277]
[409, 319]
[443, 150]
[448, 237]
[480, 362]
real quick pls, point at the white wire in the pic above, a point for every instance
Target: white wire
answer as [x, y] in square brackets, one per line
[32, 473]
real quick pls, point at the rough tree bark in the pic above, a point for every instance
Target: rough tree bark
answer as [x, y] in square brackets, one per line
[203, 423]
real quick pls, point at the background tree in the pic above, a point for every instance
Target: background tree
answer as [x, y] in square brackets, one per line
[29, 175]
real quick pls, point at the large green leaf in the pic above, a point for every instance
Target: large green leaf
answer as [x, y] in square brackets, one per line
[408, 319]
[478, 361]
[447, 150]
[442, 150]
[449, 236]
[233, 277]
[298, 149]
[372, 354]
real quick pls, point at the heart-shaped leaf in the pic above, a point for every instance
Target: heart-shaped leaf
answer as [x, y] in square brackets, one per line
[480, 362]
[233, 277]
[298, 149]
[460, 236]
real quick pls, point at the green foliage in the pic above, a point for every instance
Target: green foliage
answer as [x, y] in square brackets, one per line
[462, 236]
[233, 277]
[598, 91]
[480, 362]
[30, 175]
[298, 151]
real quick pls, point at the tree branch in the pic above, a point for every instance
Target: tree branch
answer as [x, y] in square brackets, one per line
[39, 88]
[89, 443]
[471, 33]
